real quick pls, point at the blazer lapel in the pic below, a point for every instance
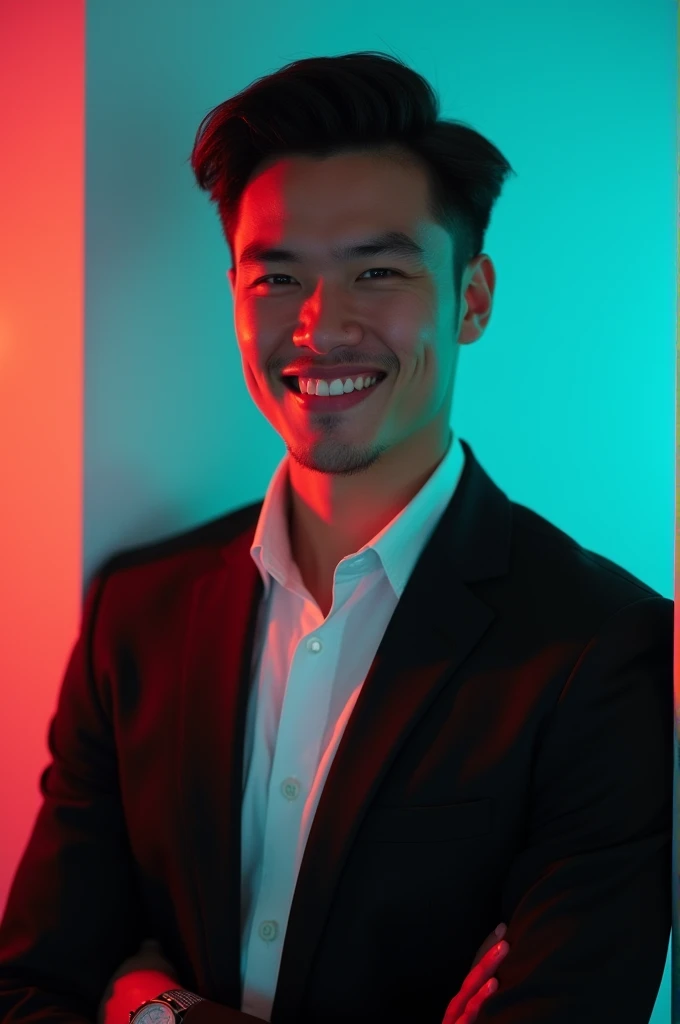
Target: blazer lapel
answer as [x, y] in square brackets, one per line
[215, 683]
[437, 623]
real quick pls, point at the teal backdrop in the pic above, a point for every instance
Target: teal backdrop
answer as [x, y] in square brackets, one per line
[568, 398]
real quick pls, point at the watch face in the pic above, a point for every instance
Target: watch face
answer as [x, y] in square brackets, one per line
[155, 1013]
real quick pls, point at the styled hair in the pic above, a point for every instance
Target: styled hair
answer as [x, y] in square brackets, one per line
[322, 106]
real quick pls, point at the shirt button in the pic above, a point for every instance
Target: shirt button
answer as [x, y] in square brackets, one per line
[268, 930]
[314, 645]
[290, 788]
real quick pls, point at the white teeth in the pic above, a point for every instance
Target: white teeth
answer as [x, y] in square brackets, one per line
[309, 386]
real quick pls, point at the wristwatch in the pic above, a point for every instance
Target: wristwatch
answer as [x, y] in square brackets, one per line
[168, 1008]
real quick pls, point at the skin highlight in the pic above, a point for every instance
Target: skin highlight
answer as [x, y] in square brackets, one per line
[352, 471]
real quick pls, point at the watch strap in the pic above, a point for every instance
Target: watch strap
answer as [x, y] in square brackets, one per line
[180, 998]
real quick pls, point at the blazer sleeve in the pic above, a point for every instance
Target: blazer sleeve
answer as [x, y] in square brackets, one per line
[588, 897]
[71, 915]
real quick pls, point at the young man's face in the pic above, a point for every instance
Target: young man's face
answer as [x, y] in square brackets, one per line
[393, 313]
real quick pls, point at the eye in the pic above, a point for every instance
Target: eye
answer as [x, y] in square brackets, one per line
[382, 270]
[373, 270]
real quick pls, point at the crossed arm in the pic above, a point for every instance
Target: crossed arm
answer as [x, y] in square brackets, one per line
[147, 974]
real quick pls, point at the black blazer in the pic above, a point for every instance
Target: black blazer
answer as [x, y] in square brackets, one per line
[510, 758]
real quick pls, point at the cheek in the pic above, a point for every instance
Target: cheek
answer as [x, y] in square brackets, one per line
[424, 376]
[246, 324]
[418, 358]
[253, 376]
[250, 380]
[254, 356]
[410, 329]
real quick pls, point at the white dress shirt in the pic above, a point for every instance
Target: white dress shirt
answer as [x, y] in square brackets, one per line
[307, 674]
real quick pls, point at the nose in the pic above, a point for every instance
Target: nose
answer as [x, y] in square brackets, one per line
[324, 324]
[325, 339]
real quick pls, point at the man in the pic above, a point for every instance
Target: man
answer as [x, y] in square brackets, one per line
[320, 746]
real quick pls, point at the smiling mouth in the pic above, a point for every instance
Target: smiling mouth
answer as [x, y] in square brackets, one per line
[292, 383]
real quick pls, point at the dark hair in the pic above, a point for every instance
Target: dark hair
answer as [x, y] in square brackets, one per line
[358, 101]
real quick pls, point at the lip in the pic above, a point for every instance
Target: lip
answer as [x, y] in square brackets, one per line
[332, 403]
[335, 372]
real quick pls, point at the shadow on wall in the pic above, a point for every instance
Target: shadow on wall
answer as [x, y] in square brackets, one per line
[130, 502]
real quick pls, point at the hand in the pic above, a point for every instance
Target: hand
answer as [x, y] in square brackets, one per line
[479, 983]
[130, 991]
[143, 976]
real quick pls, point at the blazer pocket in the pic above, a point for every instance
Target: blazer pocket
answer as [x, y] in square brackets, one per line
[433, 824]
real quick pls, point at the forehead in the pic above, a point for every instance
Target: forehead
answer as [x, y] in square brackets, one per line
[344, 194]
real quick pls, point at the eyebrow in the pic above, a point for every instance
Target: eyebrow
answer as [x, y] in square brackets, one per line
[390, 243]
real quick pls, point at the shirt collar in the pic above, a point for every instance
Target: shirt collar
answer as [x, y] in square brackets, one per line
[396, 547]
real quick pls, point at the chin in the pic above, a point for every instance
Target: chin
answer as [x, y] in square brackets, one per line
[336, 457]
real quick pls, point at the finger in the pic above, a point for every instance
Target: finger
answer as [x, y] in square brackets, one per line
[489, 942]
[486, 968]
[474, 981]
[475, 1004]
[478, 976]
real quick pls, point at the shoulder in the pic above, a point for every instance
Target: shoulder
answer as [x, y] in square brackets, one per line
[558, 572]
[177, 558]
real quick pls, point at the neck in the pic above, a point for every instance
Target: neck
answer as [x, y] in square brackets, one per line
[331, 516]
